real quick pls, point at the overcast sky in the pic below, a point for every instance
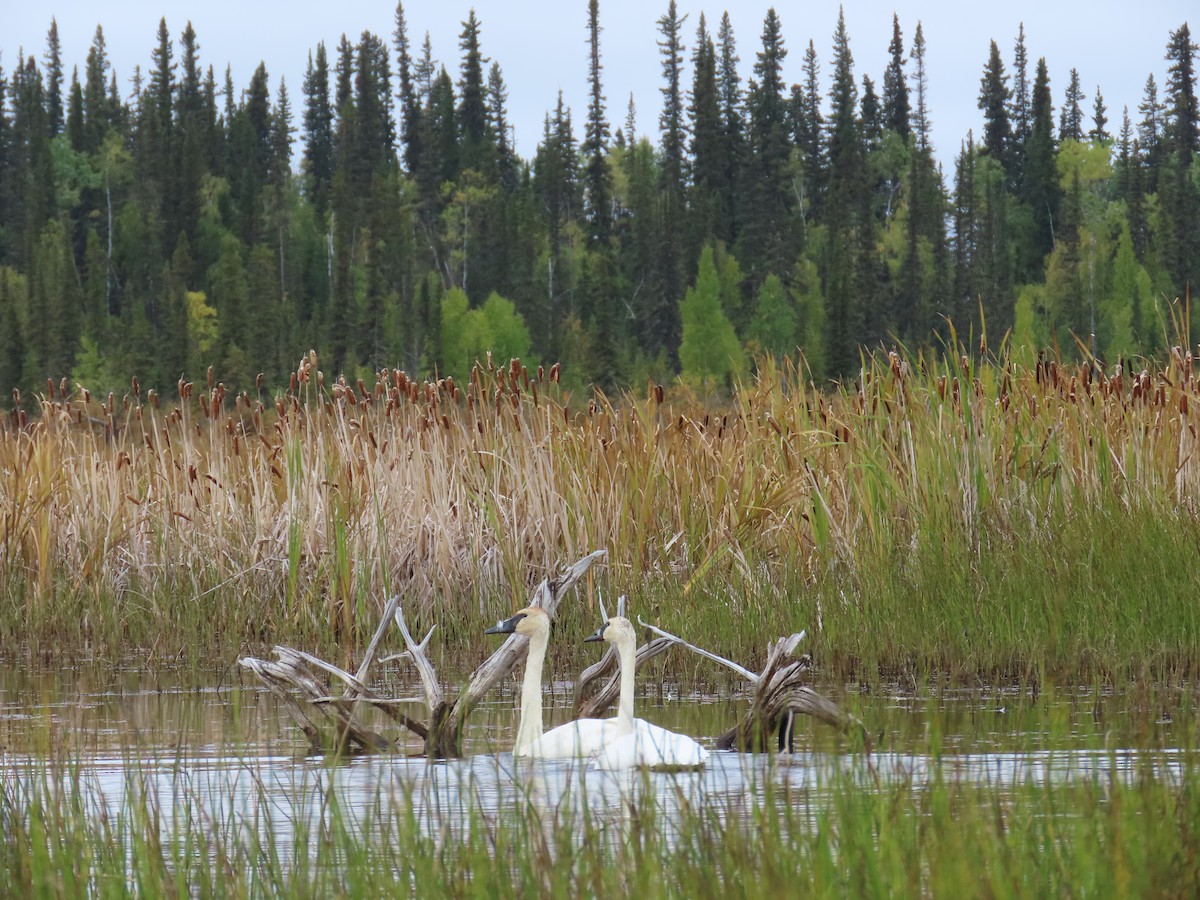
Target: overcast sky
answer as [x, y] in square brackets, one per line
[541, 46]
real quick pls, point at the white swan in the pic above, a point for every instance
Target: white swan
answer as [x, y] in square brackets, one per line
[644, 745]
[582, 737]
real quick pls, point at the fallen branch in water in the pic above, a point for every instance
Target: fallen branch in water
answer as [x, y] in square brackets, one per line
[777, 696]
[331, 723]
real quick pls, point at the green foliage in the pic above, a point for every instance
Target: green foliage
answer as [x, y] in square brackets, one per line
[709, 353]
[467, 335]
[401, 197]
[774, 327]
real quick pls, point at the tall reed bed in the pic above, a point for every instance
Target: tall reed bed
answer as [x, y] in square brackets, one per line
[846, 509]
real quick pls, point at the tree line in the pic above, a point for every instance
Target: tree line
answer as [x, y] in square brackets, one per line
[160, 227]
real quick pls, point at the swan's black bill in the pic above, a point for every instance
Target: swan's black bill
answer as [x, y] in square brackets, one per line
[598, 636]
[506, 626]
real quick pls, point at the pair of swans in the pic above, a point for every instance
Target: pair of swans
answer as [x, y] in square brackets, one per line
[621, 742]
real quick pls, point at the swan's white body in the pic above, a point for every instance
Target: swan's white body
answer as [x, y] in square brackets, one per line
[582, 737]
[643, 746]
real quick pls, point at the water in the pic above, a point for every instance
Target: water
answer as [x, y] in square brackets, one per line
[208, 744]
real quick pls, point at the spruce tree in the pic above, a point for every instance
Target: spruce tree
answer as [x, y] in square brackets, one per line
[1183, 111]
[732, 125]
[1099, 131]
[54, 80]
[1019, 112]
[709, 166]
[1070, 124]
[1040, 187]
[847, 272]
[410, 105]
[1150, 133]
[318, 130]
[597, 179]
[811, 139]
[994, 100]
[97, 114]
[895, 86]
[475, 145]
[766, 242]
[661, 327]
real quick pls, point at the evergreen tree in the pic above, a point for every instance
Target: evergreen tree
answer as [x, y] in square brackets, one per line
[994, 101]
[597, 286]
[597, 178]
[193, 146]
[766, 243]
[661, 327]
[1020, 113]
[848, 274]
[75, 122]
[871, 116]
[1039, 188]
[1150, 132]
[318, 129]
[410, 105]
[732, 127]
[97, 112]
[921, 123]
[810, 139]
[506, 158]
[476, 150]
[1070, 123]
[895, 86]
[710, 168]
[1183, 111]
[1179, 194]
[1099, 132]
[54, 80]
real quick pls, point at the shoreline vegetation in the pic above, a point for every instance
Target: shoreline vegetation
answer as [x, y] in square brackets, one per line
[984, 519]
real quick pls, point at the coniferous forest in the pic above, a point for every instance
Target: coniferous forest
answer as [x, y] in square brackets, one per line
[168, 220]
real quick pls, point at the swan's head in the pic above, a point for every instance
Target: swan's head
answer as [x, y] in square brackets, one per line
[615, 630]
[528, 622]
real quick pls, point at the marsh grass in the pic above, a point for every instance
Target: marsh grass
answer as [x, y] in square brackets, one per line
[836, 833]
[976, 517]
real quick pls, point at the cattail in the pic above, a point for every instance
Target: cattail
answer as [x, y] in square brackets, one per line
[556, 372]
[16, 395]
[658, 393]
[320, 379]
[137, 388]
[541, 373]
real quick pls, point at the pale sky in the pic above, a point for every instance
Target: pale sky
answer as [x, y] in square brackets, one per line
[541, 47]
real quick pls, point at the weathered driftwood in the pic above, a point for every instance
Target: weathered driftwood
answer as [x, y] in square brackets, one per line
[330, 722]
[777, 696]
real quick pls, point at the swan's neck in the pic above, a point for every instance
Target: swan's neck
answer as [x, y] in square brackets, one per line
[530, 727]
[627, 656]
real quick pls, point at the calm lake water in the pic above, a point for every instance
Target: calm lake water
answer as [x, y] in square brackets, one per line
[221, 744]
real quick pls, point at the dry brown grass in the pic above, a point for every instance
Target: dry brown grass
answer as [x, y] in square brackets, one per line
[334, 492]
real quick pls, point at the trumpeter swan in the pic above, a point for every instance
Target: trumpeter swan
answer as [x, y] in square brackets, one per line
[644, 745]
[582, 737]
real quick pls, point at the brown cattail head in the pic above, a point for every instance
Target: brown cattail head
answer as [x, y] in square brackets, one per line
[258, 382]
[658, 393]
[62, 387]
[16, 396]
[50, 387]
[210, 376]
[556, 372]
